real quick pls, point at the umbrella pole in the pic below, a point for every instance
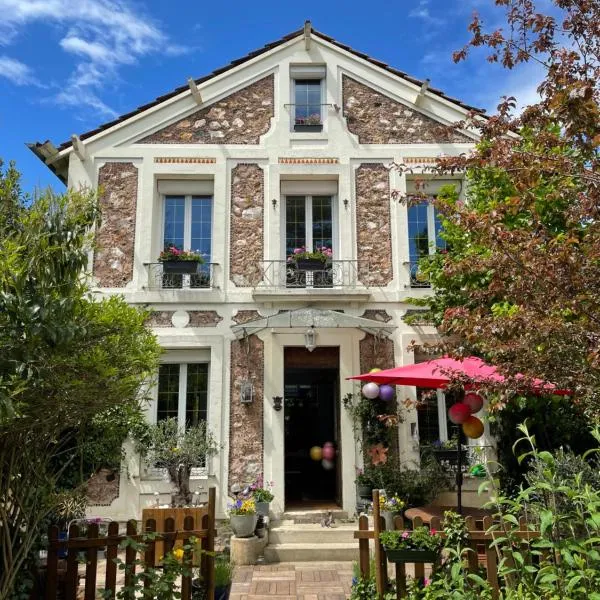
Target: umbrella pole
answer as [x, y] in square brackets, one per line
[459, 475]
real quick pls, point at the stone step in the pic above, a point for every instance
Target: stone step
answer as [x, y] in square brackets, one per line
[313, 516]
[293, 533]
[311, 552]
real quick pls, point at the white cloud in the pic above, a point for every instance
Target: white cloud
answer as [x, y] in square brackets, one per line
[15, 71]
[422, 12]
[102, 35]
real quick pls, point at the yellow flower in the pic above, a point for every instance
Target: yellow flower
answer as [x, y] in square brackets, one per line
[178, 553]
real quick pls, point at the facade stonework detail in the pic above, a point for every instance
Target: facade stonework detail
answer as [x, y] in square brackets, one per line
[377, 315]
[115, 237]
[198, 318]
[245, 316]
[377, 119]
[246, 420]
[247, 204]
[160, 318]
[240, 118]
[103, 488]
[373, 228]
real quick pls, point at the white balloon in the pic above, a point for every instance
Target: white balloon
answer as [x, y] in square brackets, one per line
[327, 464]
[370, 390]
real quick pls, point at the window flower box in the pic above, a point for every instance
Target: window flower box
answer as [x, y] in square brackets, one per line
[310, 264]
[310, 124]
[411, 556]
[310, 260]
[182, 262]
[421, 545]
[305, 128]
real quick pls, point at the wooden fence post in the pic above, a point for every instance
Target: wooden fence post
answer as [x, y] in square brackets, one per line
[92, 563]
[72, 566]
[52, 564]
[364, 556]
[150, 552]
[186, 580]
[130, 557]
[210, 543]
[379, 576]
[112, 546]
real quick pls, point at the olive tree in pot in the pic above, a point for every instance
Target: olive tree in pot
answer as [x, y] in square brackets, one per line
[168, 446]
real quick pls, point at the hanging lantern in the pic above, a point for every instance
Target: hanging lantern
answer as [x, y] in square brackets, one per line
[473, 428]
[370, 390]
[328, 465]
[316, 453]
[386, 392]
[458, 413]
[474, 401]
[328, 452]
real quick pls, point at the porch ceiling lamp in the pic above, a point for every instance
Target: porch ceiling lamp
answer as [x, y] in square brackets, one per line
[310, 338]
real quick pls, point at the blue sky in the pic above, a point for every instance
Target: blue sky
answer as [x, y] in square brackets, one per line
[67, 66]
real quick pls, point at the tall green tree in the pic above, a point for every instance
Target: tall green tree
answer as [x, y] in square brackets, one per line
[66, 358]
[520, 284]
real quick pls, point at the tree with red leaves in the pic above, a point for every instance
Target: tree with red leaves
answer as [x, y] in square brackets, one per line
[520, 284]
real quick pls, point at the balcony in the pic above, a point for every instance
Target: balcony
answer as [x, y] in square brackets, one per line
[336, 278]
[159, 280]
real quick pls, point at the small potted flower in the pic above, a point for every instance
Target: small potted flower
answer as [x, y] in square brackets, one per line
[388, 507]
[243, 517]
[421, 545]
[310, 260]
[175, 260]
[364, 484]
[310, 124]
[262, 493]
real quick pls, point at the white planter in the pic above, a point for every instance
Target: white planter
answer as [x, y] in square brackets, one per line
[243, 525]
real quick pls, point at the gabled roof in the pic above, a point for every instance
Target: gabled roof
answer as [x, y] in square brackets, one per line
[254, 54]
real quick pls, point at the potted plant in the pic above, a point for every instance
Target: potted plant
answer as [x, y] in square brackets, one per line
[175, 260]
[307, 260]
[243, 517]
[421, 545]
[70, 506]
[388, 507]
[312, 123]
[223, 577]
[263, 495]
[178, 450]
[364, 484]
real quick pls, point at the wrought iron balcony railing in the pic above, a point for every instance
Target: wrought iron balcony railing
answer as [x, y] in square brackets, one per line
[417, 278]
[202, 280]
[334, 274]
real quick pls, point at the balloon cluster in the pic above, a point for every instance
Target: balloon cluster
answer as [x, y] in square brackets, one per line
[371, 390]
[326, 455]
[462, 413]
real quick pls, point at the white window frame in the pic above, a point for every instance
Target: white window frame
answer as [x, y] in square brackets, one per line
[441, 417]
[431, 237]
[308, 219]
[187, 219]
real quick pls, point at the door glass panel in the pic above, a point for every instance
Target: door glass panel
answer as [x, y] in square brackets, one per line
[418, 237]
[322, 225]
[168, 391]
[174, 221]
[307, 98]
[196, 395]
[295, 223]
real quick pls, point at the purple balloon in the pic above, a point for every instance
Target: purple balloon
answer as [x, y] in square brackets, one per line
[386, 392]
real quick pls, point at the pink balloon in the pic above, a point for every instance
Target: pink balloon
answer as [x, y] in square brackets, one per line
[328, 452]
[386, 392]
[458, 413]
[474, 402]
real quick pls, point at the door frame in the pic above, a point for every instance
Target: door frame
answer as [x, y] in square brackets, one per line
[273, 453]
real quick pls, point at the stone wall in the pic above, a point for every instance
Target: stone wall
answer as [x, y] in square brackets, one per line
[240, 118]
[115, 238]
[377, 119]
[373, 235]
[246, 245]
[246, 438]
[198, 318]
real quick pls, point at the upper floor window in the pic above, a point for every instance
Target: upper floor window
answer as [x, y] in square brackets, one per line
[182, 392]
[308, 96]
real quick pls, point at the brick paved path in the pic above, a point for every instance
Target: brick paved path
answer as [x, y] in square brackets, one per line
[293, 581]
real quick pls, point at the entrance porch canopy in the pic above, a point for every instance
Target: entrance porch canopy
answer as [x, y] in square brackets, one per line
[312, 317]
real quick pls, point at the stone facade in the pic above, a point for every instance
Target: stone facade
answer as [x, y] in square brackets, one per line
[376, 353]
[103, 487]
[377, 119]
[115, 237]
[373, 229]
[247, 204]
[246, 420]
[198, 318]
[245, 316]
[240, 118]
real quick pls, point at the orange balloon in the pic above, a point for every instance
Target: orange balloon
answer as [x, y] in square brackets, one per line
[473, 428]
[316, 453]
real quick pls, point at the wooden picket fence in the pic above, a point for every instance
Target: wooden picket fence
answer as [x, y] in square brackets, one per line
[481, 554]
[62, 575]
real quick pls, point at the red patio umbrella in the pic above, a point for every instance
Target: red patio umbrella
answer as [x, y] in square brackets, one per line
[437, 373]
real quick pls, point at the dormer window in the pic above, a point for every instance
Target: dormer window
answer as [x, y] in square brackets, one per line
[308, 92]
